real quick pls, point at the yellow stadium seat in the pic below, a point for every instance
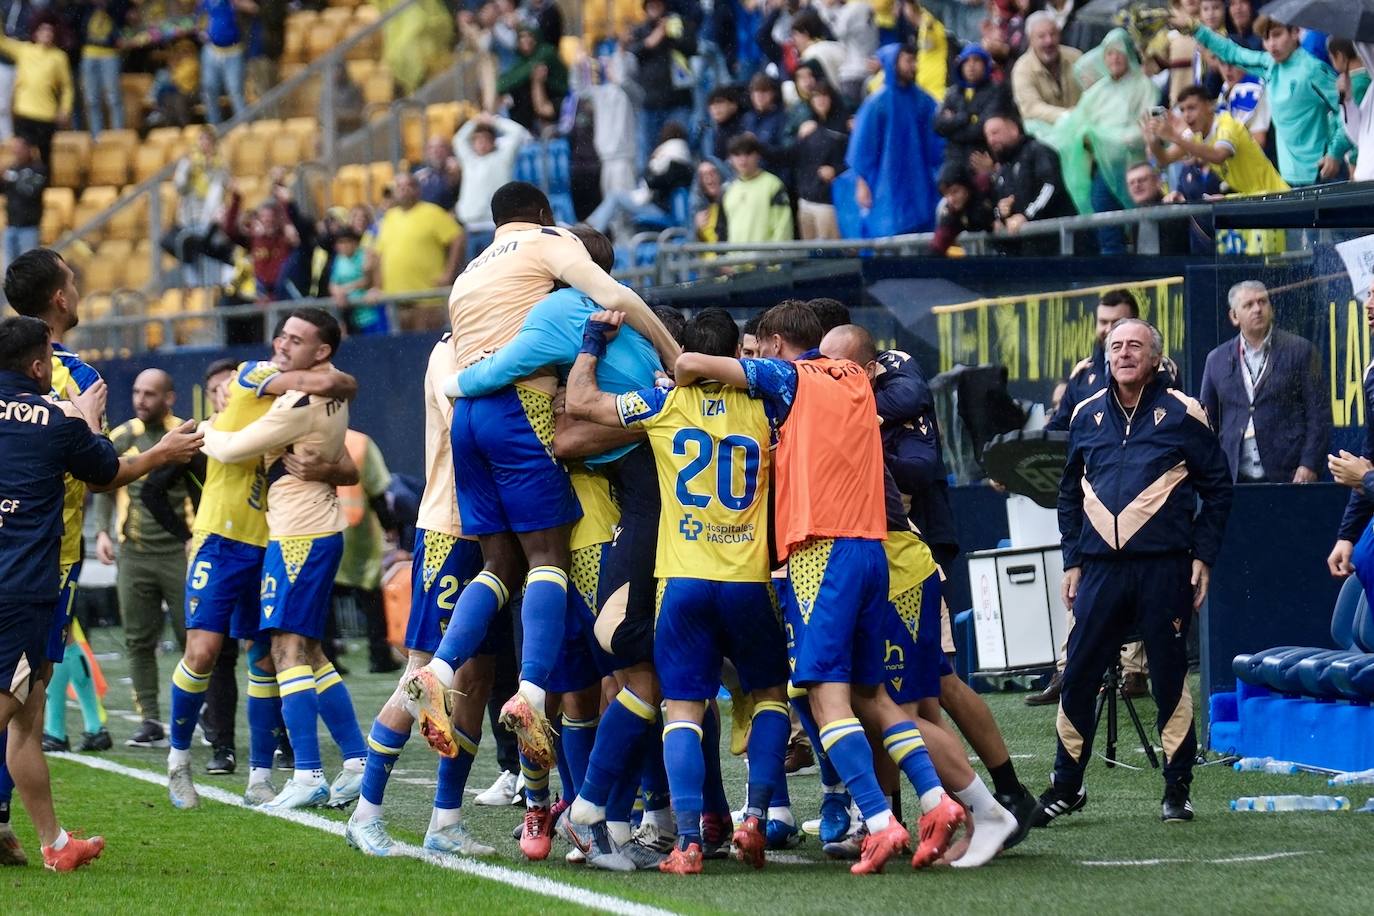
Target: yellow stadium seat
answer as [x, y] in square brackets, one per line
[569, 49]
[109, 164]
[380, 175]
[71, 156]
[320, 40]
[380, 88]
[252, 190]
[413, 139]
[60, 203]
[285, 150]
[350, 186]
[250, 157]
[441, 119]
[131, 222]
[168, 304]
[148, 161]
[338, 17]
[134, 88]
[360, 70]
[366, 14]
[126, 138]
[97, 305]
[107, 270]
[307, 133]
[94, 201]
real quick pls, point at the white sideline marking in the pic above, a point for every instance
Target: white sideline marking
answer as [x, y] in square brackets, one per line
[535, 884]
[1231, 860]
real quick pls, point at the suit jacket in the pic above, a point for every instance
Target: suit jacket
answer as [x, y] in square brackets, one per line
[1292, 413]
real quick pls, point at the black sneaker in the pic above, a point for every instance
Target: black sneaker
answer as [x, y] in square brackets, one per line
[149, 734]
[384, 664]
[1177, 808]
[1050, 695]
[1055, 802]
[96, 741]
[222, 762]
[51, 744]
[284, 758]
[1022, 806]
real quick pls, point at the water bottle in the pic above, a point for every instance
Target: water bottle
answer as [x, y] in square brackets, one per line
[1291, 803]
[1359, 778]
[1265, 765]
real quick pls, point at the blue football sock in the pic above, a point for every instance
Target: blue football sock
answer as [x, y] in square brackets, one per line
[188, 695]
[384, 746]
[561, 760]
[622, 725]
[686, 766]
[767, 748]
[624, 798]
[578, 737]
[907, 749]
[848, 748]
[802, 707]
[453, 772]
[83, 685]
[536, 783]
[477, 605]
[300, 709]
[265, 724]
[713, 790]
[336, 709]
[543, 614]
[653, 777]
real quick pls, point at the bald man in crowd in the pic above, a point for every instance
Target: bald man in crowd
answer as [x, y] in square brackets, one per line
[152, 561]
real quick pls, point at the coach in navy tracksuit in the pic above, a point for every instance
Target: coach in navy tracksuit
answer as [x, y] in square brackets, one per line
[1137, 554]
[1264, 395]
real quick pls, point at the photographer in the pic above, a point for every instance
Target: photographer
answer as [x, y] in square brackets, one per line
[1217, 140]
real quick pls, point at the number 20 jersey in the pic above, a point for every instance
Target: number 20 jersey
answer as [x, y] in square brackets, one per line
[711, 448]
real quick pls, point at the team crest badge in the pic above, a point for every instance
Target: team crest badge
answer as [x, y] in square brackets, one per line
[1160, 414]
[1098, 417]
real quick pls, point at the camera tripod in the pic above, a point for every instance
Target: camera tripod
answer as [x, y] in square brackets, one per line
[1106, 698]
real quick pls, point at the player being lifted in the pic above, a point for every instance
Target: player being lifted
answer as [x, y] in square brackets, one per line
[513, 495]
[305, 522]
[711, 446]
[443, 564]
[830, 519]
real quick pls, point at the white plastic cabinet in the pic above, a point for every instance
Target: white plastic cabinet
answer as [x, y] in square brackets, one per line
[1019, 618]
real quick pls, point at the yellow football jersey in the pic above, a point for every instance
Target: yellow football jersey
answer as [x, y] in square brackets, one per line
[909, 562]
[711, 447]
[71, 376]
[233, 503]
[600, 514]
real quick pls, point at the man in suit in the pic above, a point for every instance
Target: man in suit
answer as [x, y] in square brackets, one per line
[1263, 393]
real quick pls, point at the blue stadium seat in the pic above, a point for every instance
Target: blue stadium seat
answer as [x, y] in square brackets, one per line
[557, 167]
[563, 212]
[682, 207]
[529, 164]
[1309, 671]
[646, 253]
[1276, 662]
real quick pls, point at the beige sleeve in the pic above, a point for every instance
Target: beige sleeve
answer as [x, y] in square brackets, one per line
[273, 431]
[609, 294]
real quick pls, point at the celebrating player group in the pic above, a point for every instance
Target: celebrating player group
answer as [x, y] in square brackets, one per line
[664, 513]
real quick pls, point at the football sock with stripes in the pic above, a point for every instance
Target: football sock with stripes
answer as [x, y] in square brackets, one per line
[686, 766]
[384, 746]
[300, 708]
[477, 604]
[622, 725]
[653, 776]
[188, 696]
[452, 781]
[767, 748]
[336, 709]
[578, 736]
[543, 615]
[845, 742]
[536, 783]
[907, 749]
[265, 724]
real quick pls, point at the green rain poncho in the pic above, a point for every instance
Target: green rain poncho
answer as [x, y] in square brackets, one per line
[1103, 128]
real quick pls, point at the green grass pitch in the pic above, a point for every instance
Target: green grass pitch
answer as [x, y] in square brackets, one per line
[225, 859]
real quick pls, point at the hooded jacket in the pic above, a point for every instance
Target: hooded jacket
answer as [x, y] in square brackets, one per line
[968, 105]
[894, 149]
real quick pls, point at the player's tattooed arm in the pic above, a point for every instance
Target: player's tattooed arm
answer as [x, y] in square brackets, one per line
[328, 384]
[693, 367]
[586, 400]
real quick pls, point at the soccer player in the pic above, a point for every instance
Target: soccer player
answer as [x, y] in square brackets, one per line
[224, 581]
[549, 340]
[512, 493]
[443, 564]
[41, 440]
[711, 447]
[830, 525]
[306, 523]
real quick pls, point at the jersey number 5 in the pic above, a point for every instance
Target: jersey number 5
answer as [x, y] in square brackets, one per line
[692, 441]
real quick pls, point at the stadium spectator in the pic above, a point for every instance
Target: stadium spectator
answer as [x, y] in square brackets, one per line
[1265, 395]
[546, 18]
[894, 151]
[1302, 98]
[727, 123]
[222, 56]
[476, 43]
[969, 102]
[277, 237]
[813, 41]
[661, 45]
[43, 91]
[22, 183]
[756, 205]
[1212, 13]
[98, 26]
[1242, 96]
[767, 121]
[603, 85]
[176, 86]
[1240, 24]
[804, 79]
[669, 170]
[441, 175]
[1043, 83]
[1027, 184]
[201, 179]
[419, 246]
[967, 204]
[486, 147]
[368, 514]
[1144, 187]
[708, 213]
[1003, 31]
[535, 83]
[1357, 103]
[348, 284]
[1176, 54]
[817, 158]
[1101, 136]
[919, 27]
[1215, 139]
[853, 24]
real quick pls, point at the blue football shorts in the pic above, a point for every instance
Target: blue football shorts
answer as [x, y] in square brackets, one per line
[223, 581]
[581, 660]
[506, 476]
[911, 650]
[442, 567]
[24, 628]
[700, 622]
[837, 611]
[298, 584]
[61, 622]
